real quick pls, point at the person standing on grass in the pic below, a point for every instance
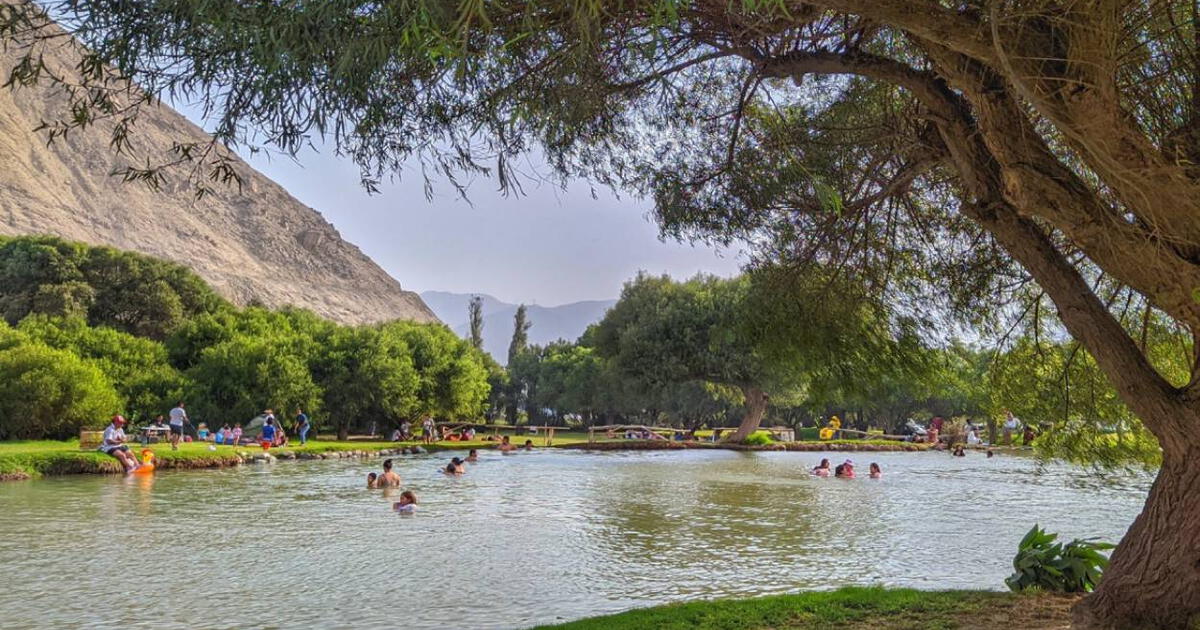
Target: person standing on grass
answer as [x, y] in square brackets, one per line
[267, 438]
[430, 430]
[302, 426]
[178, 417]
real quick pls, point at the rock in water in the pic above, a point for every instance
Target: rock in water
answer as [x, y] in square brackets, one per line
[256, 244]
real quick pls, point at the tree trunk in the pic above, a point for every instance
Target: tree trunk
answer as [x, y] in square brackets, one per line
[343, 433]
[756, 408]
[1153, 580]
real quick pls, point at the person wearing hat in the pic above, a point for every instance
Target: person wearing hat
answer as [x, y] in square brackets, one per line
[114, 444]
[455, 467]
[844, 469]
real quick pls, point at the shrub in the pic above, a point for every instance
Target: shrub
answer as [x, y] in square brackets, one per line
[1075, 567]
[48, 393]
[759, 439]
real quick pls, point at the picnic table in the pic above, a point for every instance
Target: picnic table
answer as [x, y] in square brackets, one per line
[152, 431]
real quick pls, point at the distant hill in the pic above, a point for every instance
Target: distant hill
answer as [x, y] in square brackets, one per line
[550, 323]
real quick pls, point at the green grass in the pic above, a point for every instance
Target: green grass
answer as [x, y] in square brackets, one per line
[848, 609]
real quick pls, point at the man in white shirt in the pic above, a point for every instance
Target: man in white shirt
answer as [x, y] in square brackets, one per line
[178, 417]
[114, 444]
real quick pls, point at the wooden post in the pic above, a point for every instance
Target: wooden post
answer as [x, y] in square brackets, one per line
[591, 434]
[549, 436]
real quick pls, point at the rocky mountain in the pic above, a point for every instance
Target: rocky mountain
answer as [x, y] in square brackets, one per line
[254, 244]
[550, 323]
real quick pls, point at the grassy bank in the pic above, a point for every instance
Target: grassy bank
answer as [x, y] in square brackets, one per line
[850, 609]
[32, 459]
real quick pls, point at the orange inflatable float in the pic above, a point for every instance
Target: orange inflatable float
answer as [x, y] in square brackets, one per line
[147, 463]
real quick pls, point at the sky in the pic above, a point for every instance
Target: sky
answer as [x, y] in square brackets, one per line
[546, 247]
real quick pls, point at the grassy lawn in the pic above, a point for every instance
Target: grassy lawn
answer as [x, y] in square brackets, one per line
[850, 609]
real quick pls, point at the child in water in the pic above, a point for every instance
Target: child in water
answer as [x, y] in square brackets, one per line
[528, 445]
[372, 479]
[473, 456]
[876, 472]
[407, 503]
[822, 470]
[455, 467]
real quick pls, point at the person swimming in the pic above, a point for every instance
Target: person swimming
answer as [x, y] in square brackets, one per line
[959, 451]
[528, 445]
[844, 470]
[506, 446]
[473, 456]
[822, 470]
[388, 479]
[455, 467]
[372, 480]
[407, 503]
[876, 471]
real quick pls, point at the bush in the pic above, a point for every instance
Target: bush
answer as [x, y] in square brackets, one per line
[759, 439]
[1075, 567]
[48, 393]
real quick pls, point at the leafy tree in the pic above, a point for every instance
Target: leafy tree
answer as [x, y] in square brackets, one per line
[452, 380]
[475, 310]
[520, 336]
[665, 332]
[48, 393]
[137, 367]
[367, 375]
[956, 148]
[236, 379]
[130, 292]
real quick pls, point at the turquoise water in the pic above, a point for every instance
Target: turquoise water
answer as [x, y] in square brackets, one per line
[519, 540]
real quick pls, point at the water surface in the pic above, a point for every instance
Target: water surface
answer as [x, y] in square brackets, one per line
[519, 540]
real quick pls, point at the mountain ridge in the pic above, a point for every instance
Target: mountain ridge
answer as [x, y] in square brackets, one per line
[550, 323]
[253, 243]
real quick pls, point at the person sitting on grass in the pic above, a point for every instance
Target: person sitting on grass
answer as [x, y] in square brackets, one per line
[528, 445]
[506, 446]
[876, 471]
[388, 479]
[267, 436]
[455, 467]
[372, 480]
[113, 443]
[407, 503]
[473, 456]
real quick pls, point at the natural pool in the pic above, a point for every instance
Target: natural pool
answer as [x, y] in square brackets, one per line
[519, 540]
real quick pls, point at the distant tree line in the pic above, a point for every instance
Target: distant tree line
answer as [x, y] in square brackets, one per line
[93, 331]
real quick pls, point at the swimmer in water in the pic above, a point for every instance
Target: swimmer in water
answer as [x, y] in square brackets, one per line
[528, 445]
[876, 471]
[372, 479]
[844, 470]
[473, 456]
[822, 470]
[455, 467]
[407, 503]
[506, 446]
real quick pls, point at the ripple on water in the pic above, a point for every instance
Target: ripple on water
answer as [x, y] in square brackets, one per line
[531, 538]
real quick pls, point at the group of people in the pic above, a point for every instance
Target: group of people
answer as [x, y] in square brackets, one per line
[845, 470]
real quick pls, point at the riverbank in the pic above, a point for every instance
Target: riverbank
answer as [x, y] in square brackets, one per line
[850, 609]
[33, 459]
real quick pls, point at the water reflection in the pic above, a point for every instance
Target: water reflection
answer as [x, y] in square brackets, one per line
[519, 540]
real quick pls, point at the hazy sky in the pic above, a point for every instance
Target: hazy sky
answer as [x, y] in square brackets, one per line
[546, 247]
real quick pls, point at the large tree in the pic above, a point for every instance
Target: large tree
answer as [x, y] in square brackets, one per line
[943, 148]
[475, 312]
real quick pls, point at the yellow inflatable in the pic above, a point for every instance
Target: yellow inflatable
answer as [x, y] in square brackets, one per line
[826, 433]
[147, 462]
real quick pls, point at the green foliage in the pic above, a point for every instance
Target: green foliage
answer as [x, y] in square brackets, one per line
[759, 439]
[130, 292]
[137, 366]
[367, 374]
[235, 380]
[46, 392]
[1075, 567]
